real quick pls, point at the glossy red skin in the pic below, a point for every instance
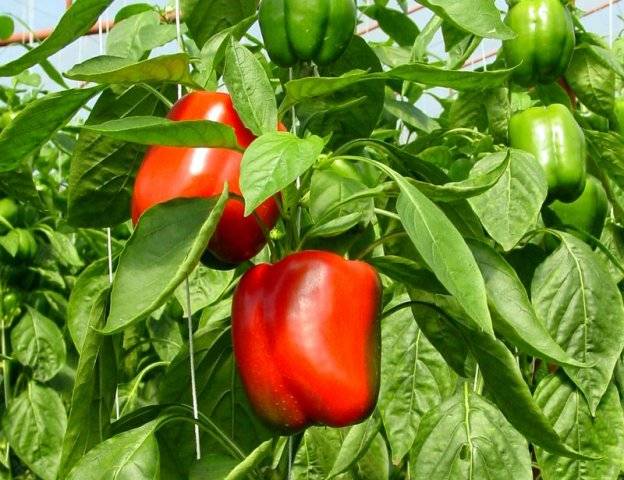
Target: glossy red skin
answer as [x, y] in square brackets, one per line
[174, 172]
[307, 340]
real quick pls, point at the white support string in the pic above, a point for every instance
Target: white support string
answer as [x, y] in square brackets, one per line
[31, 22]
[189, 311]
[610, 23]
[483, 56]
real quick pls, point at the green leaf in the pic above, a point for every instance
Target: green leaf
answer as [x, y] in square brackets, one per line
[600, 436]
[34, 126]
[480, 17]
[355, 444]
[352, 112]
[6, 26]
[132, 455]
[396, 25]
[95, 381]
[414, 378]
[208, 17]
[241, 471]
[206, 287]
[137, 35]
[487, 173]
[34, 425]
[444, 251]
[87, 302]
[509, 391]
[102, 169]
[411, 115]
[76, 21]
[162, 131]
[272, 162]
[163, 250]
[592, 80]
[63, 248]
[173, 68]
[511, 208]
[573, 293]
[512, 312]
[314, 87]
[251, 90]
[467, 437]
[38, 343]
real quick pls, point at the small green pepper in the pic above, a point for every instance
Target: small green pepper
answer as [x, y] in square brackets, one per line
[307, 30]
[552, 135]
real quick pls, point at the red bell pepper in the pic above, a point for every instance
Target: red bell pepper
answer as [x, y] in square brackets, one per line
[307, 340]
[174, 172]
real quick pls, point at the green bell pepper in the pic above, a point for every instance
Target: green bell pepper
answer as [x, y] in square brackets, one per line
[552, 135]
[307, 30]
[544, 42]
[587, 213]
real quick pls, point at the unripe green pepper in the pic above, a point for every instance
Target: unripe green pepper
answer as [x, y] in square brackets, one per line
[8, 211]
[587, 213]
[307, 30]
[544, 42]
[552, 135]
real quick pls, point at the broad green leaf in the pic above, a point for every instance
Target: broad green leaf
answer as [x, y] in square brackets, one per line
[138, 34]
[38, 343]
[95, 381]
[162, 131]
[414, 378]
[173, 68]
[35, 125]
[444, 251]
[356, 444]
[467, 437]
[241, 471]
[511, 207]
[573, 293]
[272, 162]
[318, 452]
[131, 10]
[401, 28]
[408, 272]
[34, 425]
[592, 80]
[163, 250]
[251, 90]
[349, 113]
[488, 174]
[480, 17]
[76, 21]
[205, 18]
[102, 169]
[86, 302]
[215, 466]
[206, 287]
[512, 312]
[600, 436]
[63, 248]
[309, 88]
[509, 391]
[132, 455]
[330, 208]
[411, 115]
[213, 52]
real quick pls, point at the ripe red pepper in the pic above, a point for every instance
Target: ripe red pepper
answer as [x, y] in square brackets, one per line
[174, 172]
[307, 340]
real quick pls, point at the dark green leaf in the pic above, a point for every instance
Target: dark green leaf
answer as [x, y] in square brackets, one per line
[164, 249]
[36, 124]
